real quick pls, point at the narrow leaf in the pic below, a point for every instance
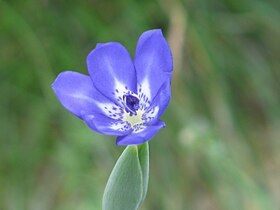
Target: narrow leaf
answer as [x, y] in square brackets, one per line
[143, 154]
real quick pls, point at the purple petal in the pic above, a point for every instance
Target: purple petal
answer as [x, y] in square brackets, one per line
[142, 136]
[162, 98]
[76, 92]
[112, 71]
[153, 62]
[106, 125]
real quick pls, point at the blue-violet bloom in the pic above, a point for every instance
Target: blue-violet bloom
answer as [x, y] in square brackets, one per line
[121, 97]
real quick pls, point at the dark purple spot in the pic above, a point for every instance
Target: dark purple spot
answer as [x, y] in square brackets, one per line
[132, 103]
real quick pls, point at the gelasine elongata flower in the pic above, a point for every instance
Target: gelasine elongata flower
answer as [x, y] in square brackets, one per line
[121, 97]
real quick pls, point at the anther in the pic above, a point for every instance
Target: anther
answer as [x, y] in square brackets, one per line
[132, 103]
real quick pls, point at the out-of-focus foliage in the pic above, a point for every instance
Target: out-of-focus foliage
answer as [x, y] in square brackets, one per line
[221, 147]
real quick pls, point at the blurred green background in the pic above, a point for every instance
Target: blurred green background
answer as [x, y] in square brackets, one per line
[221, 147]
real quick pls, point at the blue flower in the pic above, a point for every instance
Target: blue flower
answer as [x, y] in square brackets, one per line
[121, 97]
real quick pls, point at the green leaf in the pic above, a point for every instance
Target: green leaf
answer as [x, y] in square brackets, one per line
[127, 185]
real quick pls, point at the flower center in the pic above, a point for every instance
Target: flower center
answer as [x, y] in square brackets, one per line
[133, 119]
[132, 113]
